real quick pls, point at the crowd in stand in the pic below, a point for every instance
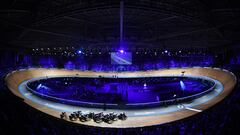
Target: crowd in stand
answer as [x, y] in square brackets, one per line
[143, 61]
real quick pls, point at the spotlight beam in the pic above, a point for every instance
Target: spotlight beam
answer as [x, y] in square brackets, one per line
[121, 22]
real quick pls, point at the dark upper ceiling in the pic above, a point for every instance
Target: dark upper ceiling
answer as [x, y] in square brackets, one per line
[95, 23]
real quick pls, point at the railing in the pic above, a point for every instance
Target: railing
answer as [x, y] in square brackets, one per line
[123, 106]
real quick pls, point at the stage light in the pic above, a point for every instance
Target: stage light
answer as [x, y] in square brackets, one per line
[166, 51]
[183, 87]
[79, 52]
[39, 86]
[180, 106]
[121, 51]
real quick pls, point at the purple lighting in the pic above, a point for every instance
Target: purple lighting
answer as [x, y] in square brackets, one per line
[121, 51]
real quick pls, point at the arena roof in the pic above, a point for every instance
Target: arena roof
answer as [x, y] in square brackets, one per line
[148, 23]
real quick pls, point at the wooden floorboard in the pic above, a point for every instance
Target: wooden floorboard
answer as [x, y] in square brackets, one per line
[228, 80]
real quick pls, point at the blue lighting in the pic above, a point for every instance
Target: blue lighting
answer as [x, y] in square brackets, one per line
[79, 52]
[39, 86]
[183, 87]
[133, 90]
[166, 51]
